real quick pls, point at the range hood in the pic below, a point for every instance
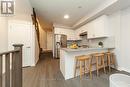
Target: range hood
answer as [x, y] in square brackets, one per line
[83, 34]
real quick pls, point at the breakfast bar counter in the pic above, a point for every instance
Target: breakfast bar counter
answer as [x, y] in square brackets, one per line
[67, 58]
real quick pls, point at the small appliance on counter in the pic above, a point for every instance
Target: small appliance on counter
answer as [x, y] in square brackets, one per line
[85, 46]
[100, 44]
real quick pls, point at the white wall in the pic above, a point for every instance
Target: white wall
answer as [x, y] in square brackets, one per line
[115, 30]
[3, 34]
[43, 38]
[23, 10]
[125, 41]
[120, 28]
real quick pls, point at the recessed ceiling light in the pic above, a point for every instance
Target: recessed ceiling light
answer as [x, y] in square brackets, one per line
[79, 6]
[66, 16]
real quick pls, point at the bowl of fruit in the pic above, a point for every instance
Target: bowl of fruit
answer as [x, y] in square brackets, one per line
[74, 46]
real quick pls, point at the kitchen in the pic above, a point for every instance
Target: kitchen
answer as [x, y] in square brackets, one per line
[90, 38]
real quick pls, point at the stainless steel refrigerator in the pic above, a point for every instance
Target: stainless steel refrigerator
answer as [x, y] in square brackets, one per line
[60, 42]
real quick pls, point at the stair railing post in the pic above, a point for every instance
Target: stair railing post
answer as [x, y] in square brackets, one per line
[17, 66]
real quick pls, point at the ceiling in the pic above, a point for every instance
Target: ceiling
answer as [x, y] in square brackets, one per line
[53, 11]
[80, 11]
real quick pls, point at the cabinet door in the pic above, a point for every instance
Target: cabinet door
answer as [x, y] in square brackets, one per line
[99, 27]
[77, 33]
[70, 34]
[91, 30]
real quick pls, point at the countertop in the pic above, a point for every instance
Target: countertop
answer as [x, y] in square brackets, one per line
[86, 49]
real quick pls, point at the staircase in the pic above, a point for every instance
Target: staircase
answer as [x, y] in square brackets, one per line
[36, 24]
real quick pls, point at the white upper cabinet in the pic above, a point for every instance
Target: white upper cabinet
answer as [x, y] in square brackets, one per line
[98, 28]
[79, 31]
[91, 31]
[70, 33]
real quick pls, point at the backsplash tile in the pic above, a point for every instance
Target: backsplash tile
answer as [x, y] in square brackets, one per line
[107, 42]
[93, 43]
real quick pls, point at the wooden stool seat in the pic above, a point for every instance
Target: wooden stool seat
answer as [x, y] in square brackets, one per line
[98, 55]
[109, 53]
[83, 59]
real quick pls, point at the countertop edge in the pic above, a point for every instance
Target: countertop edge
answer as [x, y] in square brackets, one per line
[85, 49]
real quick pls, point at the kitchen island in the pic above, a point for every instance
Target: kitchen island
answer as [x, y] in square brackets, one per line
[67, 59]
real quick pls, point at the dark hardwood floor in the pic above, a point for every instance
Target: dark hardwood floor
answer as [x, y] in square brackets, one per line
[47, 74]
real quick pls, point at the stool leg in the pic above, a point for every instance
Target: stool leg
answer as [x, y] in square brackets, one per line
[109, 62]
[75, 68]
[103, 64]
[113, 58]
[90, 67]
[84, 67]
[80, 69]
[97, 65]
[90, 72]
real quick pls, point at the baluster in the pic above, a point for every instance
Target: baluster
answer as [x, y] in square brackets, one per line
[0, 71]
[13, 70]
[7, 70]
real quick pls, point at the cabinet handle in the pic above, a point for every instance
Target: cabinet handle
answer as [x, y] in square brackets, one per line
[28, 47]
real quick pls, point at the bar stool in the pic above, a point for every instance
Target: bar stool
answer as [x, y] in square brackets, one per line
[100, 63]
[83, 59]
[110, 60]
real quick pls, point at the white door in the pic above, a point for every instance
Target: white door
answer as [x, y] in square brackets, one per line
[20, 33]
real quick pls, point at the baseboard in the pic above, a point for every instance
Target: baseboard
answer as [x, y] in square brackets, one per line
[35, 63]
[123, 69]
